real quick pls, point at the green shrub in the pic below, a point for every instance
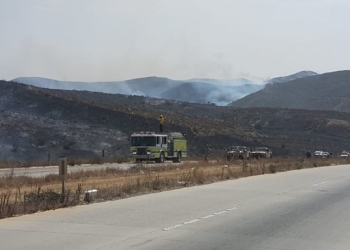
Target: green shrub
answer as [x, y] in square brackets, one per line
[272, 168]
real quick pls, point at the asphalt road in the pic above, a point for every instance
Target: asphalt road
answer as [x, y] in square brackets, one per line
[43, 171]
[302, 209]
[47, 170]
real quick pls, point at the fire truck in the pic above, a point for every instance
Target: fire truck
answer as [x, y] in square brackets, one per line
[158, 147]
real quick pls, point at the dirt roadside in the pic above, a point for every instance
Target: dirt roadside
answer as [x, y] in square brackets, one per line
[22, 195]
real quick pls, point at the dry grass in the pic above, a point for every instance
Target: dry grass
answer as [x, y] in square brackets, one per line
[20, 195]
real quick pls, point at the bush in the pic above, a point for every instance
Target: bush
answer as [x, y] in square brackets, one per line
[272, 168]
[258, 126]
[97, 160]
[41, 141]
[71, 162]
[299, 165]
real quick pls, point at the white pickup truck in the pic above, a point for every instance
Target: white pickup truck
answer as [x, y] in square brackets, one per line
[321, 154]
[345, 154]
[261, 152]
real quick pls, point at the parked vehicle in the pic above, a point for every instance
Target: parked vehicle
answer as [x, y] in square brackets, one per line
[261, 152]
[318, 154]
[149, 146]
[326, 154]
[321, 154]
[238, 152]
[345, 154]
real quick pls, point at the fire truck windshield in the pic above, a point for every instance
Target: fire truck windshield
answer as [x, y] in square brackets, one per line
[143, 141]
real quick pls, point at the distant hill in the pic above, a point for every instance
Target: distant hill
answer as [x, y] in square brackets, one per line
[330, 91]
[148, 86]
[228, 82]
[210, 90]
[209, 93]
[292, 77]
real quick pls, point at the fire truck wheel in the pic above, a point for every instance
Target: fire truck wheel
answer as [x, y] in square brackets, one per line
[161, 158]
[178, 159]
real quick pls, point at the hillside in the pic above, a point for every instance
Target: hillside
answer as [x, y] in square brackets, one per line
[330, 91]
[200, 92]
[210, 90]
[80, 124]
[227, 82]
[148, 86]
[292, 77]
[36, 121]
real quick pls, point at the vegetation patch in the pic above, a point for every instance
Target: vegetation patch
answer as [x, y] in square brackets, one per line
[23, 194]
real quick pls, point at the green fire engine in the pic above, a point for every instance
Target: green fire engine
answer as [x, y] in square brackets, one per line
[150, 146]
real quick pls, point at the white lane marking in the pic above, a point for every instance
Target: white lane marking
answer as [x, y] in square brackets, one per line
[207, 216]
[190, 222]
[172, 227]
[200, 218]
[320, 183]
[233, 208]
[221, 212]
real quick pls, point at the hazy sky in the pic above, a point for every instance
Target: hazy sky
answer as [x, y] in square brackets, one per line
[104, 40]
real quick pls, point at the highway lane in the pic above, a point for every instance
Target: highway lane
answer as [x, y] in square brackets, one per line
[43, 171]
[47, 170]
[302, 209]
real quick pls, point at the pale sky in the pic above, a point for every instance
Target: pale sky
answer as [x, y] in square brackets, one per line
[110, 40]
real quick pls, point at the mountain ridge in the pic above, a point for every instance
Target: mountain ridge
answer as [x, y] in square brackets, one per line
[203, 90]
[151, 86]
[288, 78]
[328, 91]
